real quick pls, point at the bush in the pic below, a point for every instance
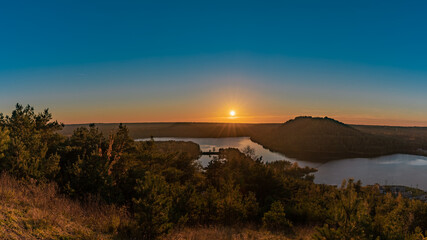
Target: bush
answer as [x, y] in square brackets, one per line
[275, 219]
[152, 207]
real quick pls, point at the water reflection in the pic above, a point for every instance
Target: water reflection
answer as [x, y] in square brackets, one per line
[398, 169]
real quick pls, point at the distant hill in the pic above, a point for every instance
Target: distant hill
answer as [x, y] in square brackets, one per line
[309, 126]
[320, 139]
[304, 138]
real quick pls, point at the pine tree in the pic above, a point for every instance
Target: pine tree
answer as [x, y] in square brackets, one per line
[275, 219]
[4, 141]
[32, 149]
[152, 206]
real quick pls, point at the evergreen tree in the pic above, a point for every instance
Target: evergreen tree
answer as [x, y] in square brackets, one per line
[152, 206]
[93, 164]
[275, 219]
[32, 150]
[4, 142]
[349, 216]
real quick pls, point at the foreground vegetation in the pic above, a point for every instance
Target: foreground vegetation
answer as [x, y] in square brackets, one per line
[147, 190]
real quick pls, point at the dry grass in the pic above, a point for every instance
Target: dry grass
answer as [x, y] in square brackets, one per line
[225, 233]
[37, 211]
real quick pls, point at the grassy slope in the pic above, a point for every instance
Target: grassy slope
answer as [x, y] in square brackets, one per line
[301, 233]
[30, 211]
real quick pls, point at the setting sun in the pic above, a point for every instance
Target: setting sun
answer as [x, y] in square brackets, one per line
[232, 113]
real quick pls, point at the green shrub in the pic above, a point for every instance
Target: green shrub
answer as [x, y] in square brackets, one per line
[152, 206]
[275, 219]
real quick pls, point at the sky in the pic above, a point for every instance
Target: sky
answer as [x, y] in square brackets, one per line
[360, 62]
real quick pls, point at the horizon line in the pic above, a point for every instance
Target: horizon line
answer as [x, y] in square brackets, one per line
[260, 123]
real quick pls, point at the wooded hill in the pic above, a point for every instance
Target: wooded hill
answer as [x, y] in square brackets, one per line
[320, 139]
[304, 138]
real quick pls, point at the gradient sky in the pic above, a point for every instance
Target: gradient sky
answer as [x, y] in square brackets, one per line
[136, 61]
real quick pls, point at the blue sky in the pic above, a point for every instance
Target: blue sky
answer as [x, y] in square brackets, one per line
[135, 61]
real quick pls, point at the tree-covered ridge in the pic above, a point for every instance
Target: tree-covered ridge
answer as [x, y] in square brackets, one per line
[305, 138]
[322, 139]
[165, 190]
[315, 118]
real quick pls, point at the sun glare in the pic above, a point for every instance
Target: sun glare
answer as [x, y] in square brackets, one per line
[232, 113]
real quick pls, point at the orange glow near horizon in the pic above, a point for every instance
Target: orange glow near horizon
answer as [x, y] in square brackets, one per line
[244, 115]
[249, 119]
[233, 104]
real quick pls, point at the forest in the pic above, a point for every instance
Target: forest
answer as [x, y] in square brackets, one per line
[151, 190]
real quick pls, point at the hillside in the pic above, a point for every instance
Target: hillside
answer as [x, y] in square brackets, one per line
[305, 138]
[319, 139]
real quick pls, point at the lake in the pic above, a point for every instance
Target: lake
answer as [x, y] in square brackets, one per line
[397, 169]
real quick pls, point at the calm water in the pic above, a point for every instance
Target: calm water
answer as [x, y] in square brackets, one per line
[398, 169]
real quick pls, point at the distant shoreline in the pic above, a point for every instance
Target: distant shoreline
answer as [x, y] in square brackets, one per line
[404, 140]
[237, 123]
